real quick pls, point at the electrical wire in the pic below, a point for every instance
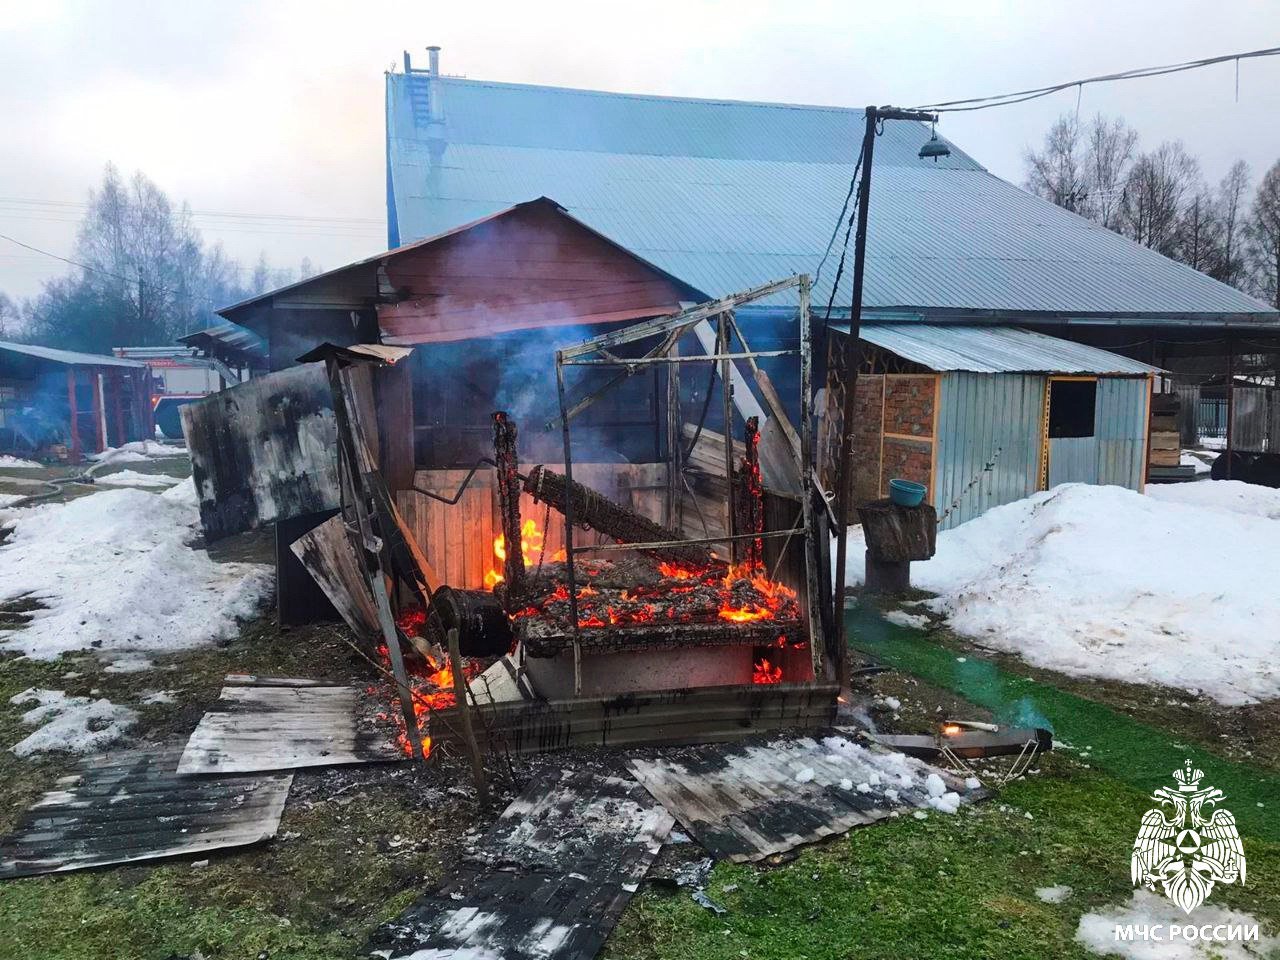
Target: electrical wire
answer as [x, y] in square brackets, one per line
[1021, 96]
[107, 273]
[844, 251]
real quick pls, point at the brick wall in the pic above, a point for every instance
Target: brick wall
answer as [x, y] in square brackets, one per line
[908, 407]
[866, 438]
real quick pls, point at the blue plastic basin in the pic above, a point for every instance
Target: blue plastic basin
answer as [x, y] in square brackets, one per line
[906, 493]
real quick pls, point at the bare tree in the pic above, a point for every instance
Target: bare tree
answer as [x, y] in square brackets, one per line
[1109, 149]
[1057, 172]
[1153, 195]
[10, 318]
[1232, 267]
[1199, 233]
[1263, 237]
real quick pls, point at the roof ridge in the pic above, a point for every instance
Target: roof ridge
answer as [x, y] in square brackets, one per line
[589, 92]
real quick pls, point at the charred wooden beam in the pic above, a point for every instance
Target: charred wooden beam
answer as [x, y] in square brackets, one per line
[750, 497]
[508, 460]
[595, 511]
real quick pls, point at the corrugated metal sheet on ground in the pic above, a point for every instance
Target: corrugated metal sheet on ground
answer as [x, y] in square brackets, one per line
[548, 881]
[995, 349]
[284, 724]
[747, 802]
[132, 806]
[729, 195]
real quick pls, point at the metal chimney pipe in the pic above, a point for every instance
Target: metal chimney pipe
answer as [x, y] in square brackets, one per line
[433, 61]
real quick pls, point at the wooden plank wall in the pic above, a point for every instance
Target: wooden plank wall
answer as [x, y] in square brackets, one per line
[458, 539]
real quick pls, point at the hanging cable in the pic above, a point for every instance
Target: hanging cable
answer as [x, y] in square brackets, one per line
[1021, 96]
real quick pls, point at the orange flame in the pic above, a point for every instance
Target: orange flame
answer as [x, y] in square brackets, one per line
[531, 541]
[765, 672]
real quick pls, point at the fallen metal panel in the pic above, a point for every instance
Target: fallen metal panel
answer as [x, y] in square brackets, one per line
[264, 727]
[263, 451]
[132, 806]
[326, 553]
[747, 802]
[549, 879]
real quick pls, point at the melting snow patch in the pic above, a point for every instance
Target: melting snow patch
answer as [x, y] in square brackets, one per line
[137, 451]
[116, 574]
[132, 478]
[9, 462]
[157, 698]
[1053, 894]
[129, 663]
[70, 724]
[805, 775]
[1064, 579]
[1098, 931]
[916, 621]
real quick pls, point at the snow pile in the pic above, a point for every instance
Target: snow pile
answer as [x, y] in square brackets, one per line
[132, 478]
[137, 451]
[9, 462]
[116, 574]
[70, 724]
[1231, 496]
[916, 621]
[1097, 931]
[1176, 588]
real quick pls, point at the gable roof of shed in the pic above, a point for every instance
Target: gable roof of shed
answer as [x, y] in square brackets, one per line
[951, 348]
[728, 195]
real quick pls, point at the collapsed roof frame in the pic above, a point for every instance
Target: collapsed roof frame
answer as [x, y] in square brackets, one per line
[597, 351]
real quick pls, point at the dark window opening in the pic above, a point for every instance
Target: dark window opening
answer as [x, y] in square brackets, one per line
[1071, 407]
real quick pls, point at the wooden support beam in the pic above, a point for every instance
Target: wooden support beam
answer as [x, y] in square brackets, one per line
[463, 709]
[71, 406]
[681, 320]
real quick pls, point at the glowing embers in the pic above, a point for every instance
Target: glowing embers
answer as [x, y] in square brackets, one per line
[532, 541]
[637, 592]
[431, 681]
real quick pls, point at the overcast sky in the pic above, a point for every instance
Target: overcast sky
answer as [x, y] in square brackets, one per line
[261, 113]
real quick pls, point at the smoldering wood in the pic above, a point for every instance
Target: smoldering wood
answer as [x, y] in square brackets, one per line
[897, 533]
[354, 467]
[278, 724]
[326, 553]
[262, 451]
[549, 880]
[696, 715]
[749, 498]
[130, 806]
[507, 459]
[590, 509]
[744, 802]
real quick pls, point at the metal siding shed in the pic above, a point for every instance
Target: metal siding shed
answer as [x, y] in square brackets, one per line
[985, 417]
[728, 195]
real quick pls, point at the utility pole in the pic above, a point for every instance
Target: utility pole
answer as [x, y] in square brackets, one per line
[874, 117]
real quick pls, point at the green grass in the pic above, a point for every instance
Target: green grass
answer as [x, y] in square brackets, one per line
[946, 887]
[1134, 752]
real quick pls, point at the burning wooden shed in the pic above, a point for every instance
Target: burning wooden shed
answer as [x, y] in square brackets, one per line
[61, 404]
[538, 477]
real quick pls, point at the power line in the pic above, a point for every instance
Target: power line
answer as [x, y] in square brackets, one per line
[74, 263]
[1021, 96]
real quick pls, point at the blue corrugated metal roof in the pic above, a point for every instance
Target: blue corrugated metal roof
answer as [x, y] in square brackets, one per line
[728, 195]
[949, 347]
